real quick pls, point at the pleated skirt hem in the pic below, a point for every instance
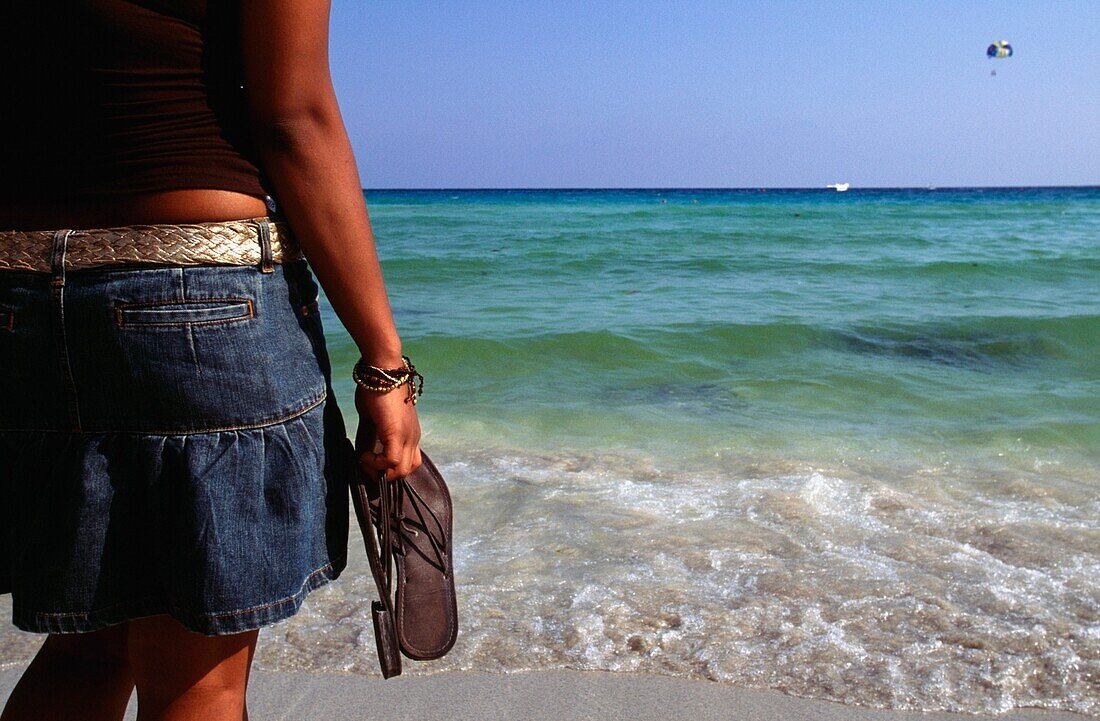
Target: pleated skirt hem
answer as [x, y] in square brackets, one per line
[208, 624]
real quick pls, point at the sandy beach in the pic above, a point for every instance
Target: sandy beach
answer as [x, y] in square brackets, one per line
[557, 695]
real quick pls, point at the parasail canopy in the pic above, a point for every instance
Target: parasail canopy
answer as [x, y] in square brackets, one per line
[999, 49]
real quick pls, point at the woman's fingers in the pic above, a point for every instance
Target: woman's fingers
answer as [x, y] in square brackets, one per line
[393, 456]
[397, 463]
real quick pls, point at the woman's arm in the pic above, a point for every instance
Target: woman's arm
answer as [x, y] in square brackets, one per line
[305, 151]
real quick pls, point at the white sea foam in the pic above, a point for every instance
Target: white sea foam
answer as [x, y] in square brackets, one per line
[855, 590]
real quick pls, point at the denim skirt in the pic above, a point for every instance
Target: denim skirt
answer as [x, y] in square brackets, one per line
[169, 444]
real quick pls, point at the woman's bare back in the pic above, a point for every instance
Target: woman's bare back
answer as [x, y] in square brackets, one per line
[169, 206]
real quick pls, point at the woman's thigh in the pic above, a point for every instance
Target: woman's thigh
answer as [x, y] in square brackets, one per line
[169, 662]
[107, 645]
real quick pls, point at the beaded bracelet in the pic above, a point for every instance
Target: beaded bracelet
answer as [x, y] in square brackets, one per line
[380, 380]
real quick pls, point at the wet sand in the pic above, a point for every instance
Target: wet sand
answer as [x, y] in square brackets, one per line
[556, 695]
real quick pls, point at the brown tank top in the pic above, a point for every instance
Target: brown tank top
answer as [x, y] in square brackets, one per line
[115, 97]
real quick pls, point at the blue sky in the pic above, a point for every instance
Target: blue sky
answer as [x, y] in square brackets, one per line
[695, 93]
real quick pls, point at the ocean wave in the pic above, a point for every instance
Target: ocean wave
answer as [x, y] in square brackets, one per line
[973, 342]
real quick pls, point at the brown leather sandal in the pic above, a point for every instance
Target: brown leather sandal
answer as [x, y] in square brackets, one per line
[408, 520]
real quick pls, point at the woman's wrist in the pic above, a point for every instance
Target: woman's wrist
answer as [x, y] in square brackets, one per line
[386, 380]
[382, 356]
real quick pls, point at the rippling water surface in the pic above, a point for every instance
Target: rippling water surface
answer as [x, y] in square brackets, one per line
[842, 445]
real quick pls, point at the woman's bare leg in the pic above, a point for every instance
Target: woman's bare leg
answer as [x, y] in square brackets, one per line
[75, 677]
[185, 676]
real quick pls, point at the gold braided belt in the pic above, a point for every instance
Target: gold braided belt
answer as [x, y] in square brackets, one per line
[229, 242]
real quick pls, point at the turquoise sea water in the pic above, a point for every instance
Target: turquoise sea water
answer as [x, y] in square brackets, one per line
[913, 325]
[844, 445]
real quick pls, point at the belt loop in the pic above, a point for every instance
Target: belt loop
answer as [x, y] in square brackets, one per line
[266, 263]
[57, 260]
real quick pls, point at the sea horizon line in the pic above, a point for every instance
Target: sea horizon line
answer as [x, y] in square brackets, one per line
[750, 188]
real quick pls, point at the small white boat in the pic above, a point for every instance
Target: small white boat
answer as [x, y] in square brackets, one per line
[838, 187]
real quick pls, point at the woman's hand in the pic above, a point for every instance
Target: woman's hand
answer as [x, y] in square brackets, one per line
[390, 432]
